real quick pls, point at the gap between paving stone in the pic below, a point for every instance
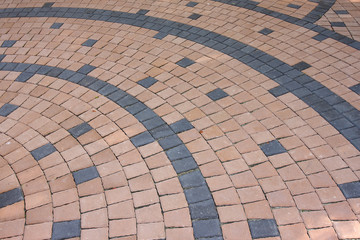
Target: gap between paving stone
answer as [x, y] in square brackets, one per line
[330, 106]
[175, 149]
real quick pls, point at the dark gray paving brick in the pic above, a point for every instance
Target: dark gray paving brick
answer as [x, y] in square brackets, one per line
[319, 37]
[86, 69]
[341, 12]
[160, 35]
[178, 153]
[142, 139]
[147, 82]
[266, 31]
[194, 16]
[350, 190]
[191, 4]
[142, 11]
[272, 148]
[48, 4]
[7, 108]
[337, 24]
[197, 194]
[217, 94]
[192, 179]
[153, 123]
[278, 91]
[162, 131]
[89, 43]
[43, 151]
[185, 62]
[64, 230]
[8, 43]
[80, 129]
[170, 142]
[356, 88]
[24, 76]
[206, 228]
[294, 6]
[181, 126]
[301, 66]
[11, 197]
[56, 25]
[263, 228]
[203, 210]
[184, 165]
[145, 115]
[85, 175]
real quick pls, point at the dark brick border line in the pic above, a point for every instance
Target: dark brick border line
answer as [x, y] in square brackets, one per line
[192, 181]
[339, 113]
[307, 22]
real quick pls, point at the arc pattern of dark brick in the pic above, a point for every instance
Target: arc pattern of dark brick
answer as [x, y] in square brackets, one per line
[307, 22]
[157, 129]
[339, 113]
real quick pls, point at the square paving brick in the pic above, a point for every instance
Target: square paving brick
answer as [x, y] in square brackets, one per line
[63, 230]
[192, 179]
[160, 35]
[184, 165]
[341, 12]
[145, 115]
[278, 91]
[301, 66]
[294, 6]
[161, 131]
[203, 210]
[7, 108]
[185, 62]
[178, 152]
[24, 76]
[194, 16]
[206, 228]
[198, 194]
[89, 43]
[337, 24]
[266, 31]
[170, 142]
[56, 25]
[356, 88]
[147, 82]
[86, 69]
[142, 12]
[217, 94]
[43, 151]
[10, 197]
[8, 43]
[191, 4]
[85, 175]
[350, 190]
[80, 129]
[263, 228]
[48, 4]
[319, 37]
[142, 139]
[181, 126]
[272, 148]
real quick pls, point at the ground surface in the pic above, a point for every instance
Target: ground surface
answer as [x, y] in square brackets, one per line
[214, 119]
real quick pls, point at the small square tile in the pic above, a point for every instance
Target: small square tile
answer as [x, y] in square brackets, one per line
[191, 4]
[192, 179]
[85, 175]
[207, 228]
[160, 35]
[24, 76]
[217, 94]
[8, 43]
[181, 126]
[197, 194]
[80, 129]
[56, 25]
[301, 66]
[86, 69]
[142, 11]
[89, 43]
[194, 16]
[10, 197]
[350, 190]
[64, 230]
[337, 24]
[272, 148]
[356, 88]
[266, 31]
[147, 82]
[43, 151]
[7, 108]
[294, 6]
[142, 139]
[278, 91]
[203, 210]
[263, 228]
[185, 62]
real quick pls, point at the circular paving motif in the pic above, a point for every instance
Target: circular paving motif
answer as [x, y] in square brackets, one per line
[179, 120]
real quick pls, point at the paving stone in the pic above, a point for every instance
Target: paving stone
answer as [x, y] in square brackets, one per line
[80, 129]
[184, 165]
[142, 139]
[263, 228]
[206, 228]
[24, 76]
[191, 4]
[301, 66]
[356, 88]
[170, 142]
[145, 114]
[8, 43]
[147, 82]
[194, 16]
[294, 6]
[278, 91]
[89, 43]
[63, 230]
[266, 31]
[161, 131]
[160, 35]
[319, 37]
[337, 24]
[142, 12]
[181, 126]
[217, 94]
[48, 4]
[178, 152]
[85, 175]
[43, 151]
[341, 12]
[185, 62]
[203, 210]
[86, 69]
[272, 148]
[56, 25]
[7, 108]
[197, 194]
[192, 179]
[10, 197]
[350, 190]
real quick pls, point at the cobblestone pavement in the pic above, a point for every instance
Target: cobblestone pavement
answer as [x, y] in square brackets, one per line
[211, 119]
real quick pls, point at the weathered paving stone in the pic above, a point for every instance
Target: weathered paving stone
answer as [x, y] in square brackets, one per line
[185, 62]
[272, 148]
[184, 165]
[142, 12]
[24, 76]
[194, 16]
[43, 151]
[350, 190]
[85, 175]
[301, 66]
[197, 194]
[86, 69]
[266, 31]
[278, 91]
[217, 94]
[294, 6]
[181, 126]
[10, 197]
[89, 43]
[8, 43]
[356, 88]
[56, 25]
[142, 139]
[170, 142]
[192, 179]
[263, 228]
[206, 228]
[147, 82]
[80, 129]
[7, 109]
[337, 24]
[64, 230]
[191, 4]
[203, 210]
